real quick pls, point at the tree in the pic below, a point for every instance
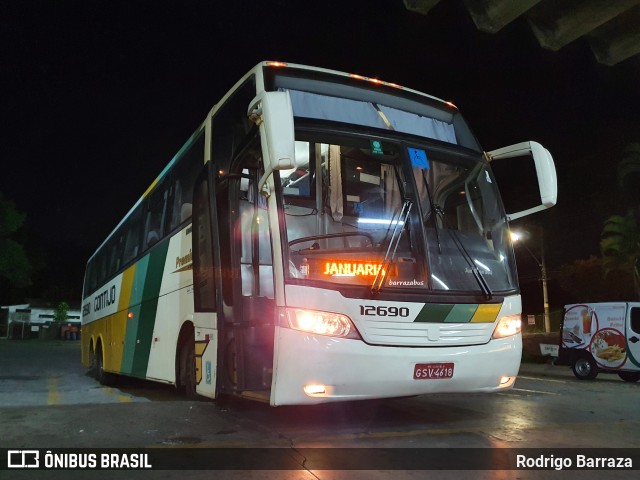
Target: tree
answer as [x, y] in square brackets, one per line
[585, 281]
[15, 267]
[629, 173]
[61, 312]
[620, 246]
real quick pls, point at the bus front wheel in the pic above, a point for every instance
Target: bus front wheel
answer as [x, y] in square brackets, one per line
[187, 371]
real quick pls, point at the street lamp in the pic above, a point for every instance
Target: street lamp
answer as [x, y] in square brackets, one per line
[518, 237]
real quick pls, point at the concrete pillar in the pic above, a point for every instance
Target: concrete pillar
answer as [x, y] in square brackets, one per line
[556, 24]
[491, 15]
[618, 39]
[420, 6]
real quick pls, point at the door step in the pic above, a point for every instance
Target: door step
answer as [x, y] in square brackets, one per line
[257, 395]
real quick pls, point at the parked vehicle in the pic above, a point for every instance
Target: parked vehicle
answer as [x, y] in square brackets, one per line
[601, 337]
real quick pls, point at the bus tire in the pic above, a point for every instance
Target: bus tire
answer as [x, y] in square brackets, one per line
[92, 361]
[187, 366]
[629, 376]
[584, 367]
[104, 378]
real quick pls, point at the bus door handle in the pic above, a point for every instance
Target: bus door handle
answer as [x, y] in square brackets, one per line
[634, 339]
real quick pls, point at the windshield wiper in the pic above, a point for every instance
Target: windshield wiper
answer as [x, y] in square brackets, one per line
[484, 286]
[435, 220]
[394, 241]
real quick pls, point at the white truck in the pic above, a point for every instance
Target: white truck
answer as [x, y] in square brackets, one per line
[601, 337]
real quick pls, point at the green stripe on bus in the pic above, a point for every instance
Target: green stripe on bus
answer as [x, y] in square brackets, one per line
[149, 308]
[139, 280]
[434, 313]
[461, 313]
[131, 337]
[445, 312]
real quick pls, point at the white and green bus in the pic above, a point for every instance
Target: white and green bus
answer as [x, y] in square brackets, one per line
[322, 236]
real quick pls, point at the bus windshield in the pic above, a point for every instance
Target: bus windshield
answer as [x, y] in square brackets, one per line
[363, 211]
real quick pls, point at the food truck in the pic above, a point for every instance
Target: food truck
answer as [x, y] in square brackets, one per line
[601, 337]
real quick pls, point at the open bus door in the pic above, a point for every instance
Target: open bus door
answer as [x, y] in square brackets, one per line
[232, 251]
[233, 277]
[205, 258]
[247, 280]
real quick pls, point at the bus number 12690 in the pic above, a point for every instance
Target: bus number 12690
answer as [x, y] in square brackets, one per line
[382, 311]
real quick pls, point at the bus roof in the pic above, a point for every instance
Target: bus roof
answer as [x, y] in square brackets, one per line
[258, 72]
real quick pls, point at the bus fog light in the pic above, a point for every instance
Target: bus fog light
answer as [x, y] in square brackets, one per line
[506, 381]
[507, 326]
[312, 390]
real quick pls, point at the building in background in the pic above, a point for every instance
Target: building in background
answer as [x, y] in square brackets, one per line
[32, 320]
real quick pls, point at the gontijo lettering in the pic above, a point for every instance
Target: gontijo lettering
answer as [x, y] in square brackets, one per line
[104, 299]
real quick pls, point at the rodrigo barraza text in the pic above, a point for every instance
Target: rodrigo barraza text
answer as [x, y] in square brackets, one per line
[579, 462]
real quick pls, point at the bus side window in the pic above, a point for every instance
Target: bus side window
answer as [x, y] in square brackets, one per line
[133, 236]
[90, 278]
[115, 253]
[101, 268]
[184, 175]
[156, 213]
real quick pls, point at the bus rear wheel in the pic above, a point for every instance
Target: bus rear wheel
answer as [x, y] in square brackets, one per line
[584, 368]
[629, 376]
[103, 377]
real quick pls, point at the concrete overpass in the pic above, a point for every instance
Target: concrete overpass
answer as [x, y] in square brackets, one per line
[611, 27]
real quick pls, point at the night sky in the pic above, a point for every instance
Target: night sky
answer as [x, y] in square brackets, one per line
[97, 96]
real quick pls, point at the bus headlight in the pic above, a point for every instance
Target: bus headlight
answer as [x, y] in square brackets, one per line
[507, 326]
[321, 323]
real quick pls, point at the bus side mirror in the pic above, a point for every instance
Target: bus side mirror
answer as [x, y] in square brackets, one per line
[530, 184]
[273, 113]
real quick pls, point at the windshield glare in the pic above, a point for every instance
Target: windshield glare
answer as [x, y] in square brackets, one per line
[466, 228]
[350, 217]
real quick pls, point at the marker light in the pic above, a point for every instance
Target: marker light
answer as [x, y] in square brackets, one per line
[277, 64]
[321, 323]
[374, 80]
[507, 326]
